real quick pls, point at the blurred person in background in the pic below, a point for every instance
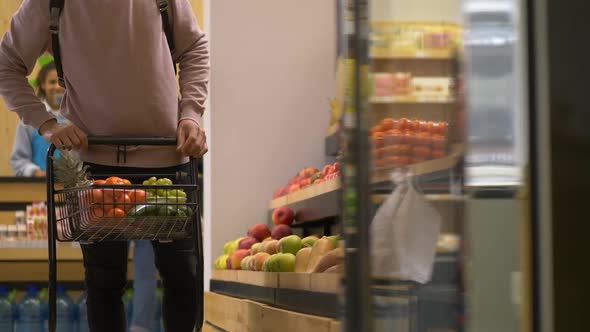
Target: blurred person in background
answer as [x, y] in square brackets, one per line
[29, 152]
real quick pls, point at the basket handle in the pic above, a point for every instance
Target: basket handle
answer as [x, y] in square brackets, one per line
[112, 140]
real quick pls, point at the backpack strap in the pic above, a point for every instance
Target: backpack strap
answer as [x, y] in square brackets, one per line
[55, 9]
[163, 6]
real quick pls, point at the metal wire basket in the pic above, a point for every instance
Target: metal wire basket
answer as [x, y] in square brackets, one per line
[87, 216]
[82, 213]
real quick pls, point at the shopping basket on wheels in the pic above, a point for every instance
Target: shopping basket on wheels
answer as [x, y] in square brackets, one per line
[161, 211]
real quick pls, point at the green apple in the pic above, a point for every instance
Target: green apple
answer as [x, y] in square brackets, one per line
[233, 246]
[220, 262]
[227, 247]
[255, 248]
[309, 240]
[335, 241]
[270, 264]
[285, 263]
[290, 244]
[244, 263]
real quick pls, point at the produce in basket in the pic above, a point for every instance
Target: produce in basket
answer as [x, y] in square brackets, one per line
[70, 171]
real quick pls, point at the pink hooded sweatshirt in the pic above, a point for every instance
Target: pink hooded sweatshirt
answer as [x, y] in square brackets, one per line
[118, 72]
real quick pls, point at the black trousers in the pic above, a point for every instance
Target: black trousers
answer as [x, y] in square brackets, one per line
[105, 266]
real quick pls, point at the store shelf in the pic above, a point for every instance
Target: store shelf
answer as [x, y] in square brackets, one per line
[64, 253]
[317, 282]
[383, 54]
[332, 141]
[313, 203]
[226, 313]
[319, 205]
[409, 99]
[420, 169]
[377, 199]
[315, 294]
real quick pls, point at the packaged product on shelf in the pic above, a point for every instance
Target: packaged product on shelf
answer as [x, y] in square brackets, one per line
[3, 234]
[37, 221]
[11, 235]
[383, 84]
[401, 83]
[437, 40]
[431, 86]
[21, 233]
[20, 217]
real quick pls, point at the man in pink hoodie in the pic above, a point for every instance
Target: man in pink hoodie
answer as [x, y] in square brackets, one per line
[120, 81]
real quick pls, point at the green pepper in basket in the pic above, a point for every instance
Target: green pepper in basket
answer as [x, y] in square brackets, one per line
[143, 210]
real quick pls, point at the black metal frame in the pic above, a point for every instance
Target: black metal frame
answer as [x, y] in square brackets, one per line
[52, 225]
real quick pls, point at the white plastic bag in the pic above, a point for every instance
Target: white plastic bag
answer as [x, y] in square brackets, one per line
[404, 234]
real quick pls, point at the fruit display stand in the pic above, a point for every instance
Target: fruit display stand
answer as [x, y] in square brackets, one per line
[301, 298]
[247, 315]
[315, 206]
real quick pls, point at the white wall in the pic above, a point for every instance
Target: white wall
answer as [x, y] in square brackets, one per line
[273, 72]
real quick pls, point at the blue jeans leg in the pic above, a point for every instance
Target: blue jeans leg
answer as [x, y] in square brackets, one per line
[144, 284]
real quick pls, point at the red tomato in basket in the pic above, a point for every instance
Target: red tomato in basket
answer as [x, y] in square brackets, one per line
[116, 213]
[97, 196]
[137, 196]
[97, 212]
[99, 182]
[115, 180]
[124, 202]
